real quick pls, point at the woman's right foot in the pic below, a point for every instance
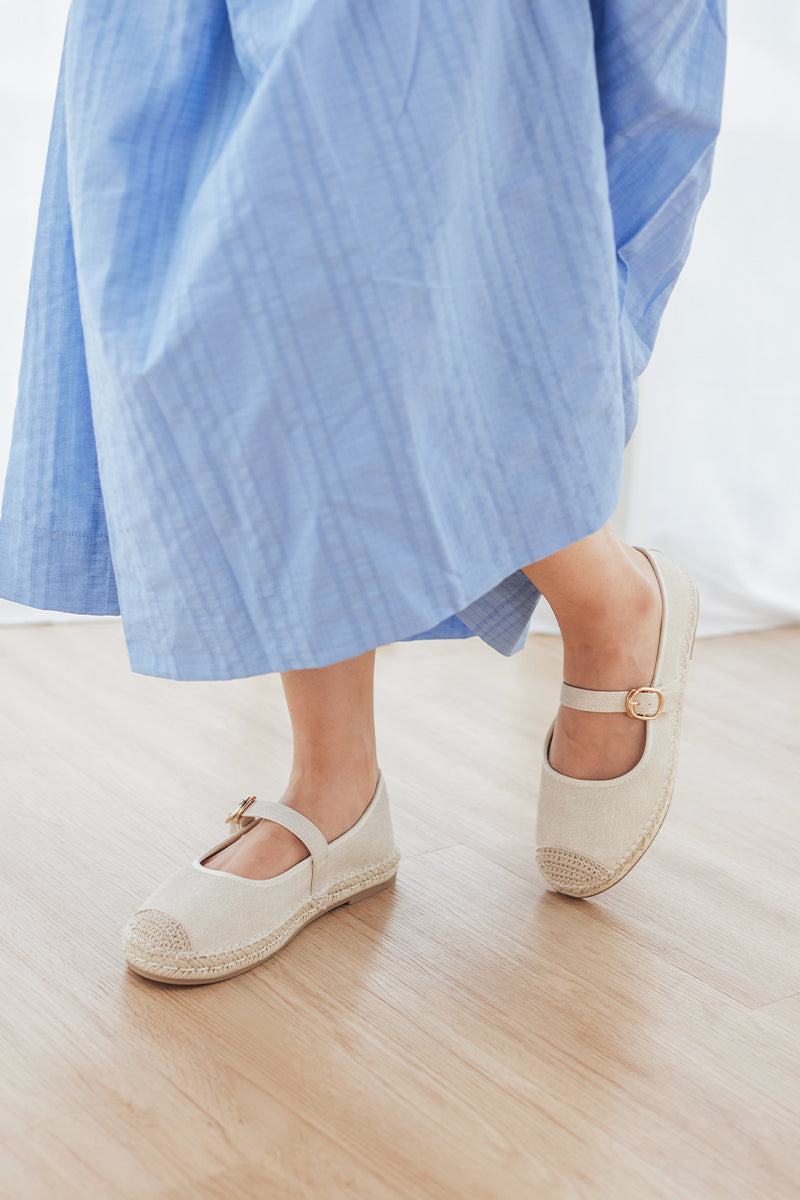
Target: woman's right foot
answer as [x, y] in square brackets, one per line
[266, 850]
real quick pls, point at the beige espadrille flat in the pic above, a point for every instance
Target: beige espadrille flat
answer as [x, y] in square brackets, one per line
[201, 925]
[589, 833]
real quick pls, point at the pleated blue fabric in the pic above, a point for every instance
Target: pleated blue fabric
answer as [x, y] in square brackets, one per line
[337, 310]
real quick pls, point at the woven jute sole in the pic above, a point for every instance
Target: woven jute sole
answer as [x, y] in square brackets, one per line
[659, 814]
[187, 968]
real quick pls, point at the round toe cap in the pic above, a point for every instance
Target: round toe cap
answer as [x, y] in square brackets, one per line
[571, 872]
[151, 932]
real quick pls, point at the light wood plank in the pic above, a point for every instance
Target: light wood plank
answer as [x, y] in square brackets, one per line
[465, 1034]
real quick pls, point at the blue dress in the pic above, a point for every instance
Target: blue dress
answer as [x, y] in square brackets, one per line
[337, 310]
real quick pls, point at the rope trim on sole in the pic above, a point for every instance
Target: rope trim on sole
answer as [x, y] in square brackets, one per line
[204, 968]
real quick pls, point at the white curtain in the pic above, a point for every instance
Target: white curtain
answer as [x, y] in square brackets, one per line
[710, 476]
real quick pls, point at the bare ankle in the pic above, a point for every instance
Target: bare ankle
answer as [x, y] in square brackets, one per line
[609, 624]
[331, 774]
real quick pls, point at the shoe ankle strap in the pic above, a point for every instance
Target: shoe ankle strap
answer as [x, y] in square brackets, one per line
[311, 837]
[643, 703]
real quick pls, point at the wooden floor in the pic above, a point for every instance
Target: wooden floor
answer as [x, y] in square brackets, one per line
[466, 1034]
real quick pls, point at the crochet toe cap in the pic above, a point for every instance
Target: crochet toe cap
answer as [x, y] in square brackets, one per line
[151, 932]
[570, 872]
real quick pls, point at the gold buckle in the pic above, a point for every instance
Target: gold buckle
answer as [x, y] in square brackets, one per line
[632, 697]
[240, 809]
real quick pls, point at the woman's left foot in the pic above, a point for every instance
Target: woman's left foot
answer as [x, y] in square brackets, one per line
[591, 745]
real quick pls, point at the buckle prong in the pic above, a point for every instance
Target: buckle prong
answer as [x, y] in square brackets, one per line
[241, 808]
[632, 698]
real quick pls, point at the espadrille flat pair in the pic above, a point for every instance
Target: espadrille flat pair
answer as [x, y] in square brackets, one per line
[201, 924]
[591, 832]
